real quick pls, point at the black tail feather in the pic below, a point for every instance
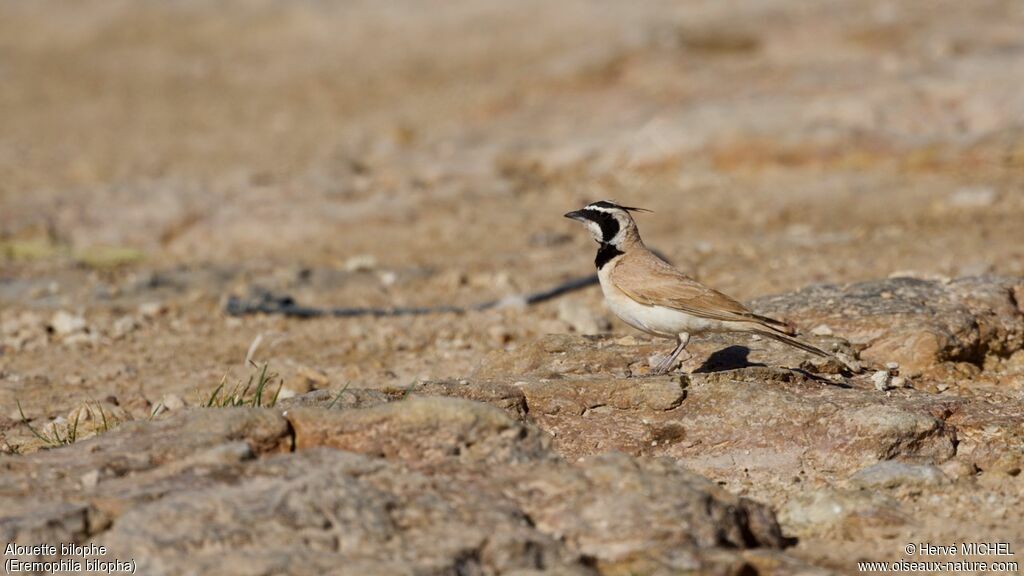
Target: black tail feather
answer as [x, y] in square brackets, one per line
[796, 343]
[775, 324]
[770, 332]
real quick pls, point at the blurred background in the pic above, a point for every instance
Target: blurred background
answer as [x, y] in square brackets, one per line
[158, 156]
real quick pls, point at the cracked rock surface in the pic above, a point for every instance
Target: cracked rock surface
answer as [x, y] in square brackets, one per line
[924, 325]
[564, 456]
[423, 485]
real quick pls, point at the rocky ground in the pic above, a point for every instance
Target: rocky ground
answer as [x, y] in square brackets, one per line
[853, 167]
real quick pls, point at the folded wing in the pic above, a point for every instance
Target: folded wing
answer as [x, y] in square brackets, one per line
[650, 280]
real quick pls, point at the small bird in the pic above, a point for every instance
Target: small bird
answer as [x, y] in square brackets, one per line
[652, 296]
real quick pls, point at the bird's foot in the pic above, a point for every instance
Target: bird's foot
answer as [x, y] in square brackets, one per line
[663, 366]
[668, 363]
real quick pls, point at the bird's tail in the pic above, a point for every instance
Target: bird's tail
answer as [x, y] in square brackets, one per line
[779, 335]
[776, 325]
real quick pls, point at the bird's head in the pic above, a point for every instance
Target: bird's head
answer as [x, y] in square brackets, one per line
[608, 222]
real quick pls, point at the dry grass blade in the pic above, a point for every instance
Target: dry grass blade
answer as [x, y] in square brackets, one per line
[253, 392]
[338, 395]
[70, 435]
[28, 424]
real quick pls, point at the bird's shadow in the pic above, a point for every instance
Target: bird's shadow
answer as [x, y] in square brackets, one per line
[736, 357]
[728, 358]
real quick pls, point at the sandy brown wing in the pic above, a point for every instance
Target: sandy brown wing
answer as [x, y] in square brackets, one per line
[650, 280]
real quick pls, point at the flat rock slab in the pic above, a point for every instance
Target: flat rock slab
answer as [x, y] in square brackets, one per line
[758, 419]
[422, 485]
[892, 474]
[850, 513]
[918, 323]
[67, 494]
[923, 325]
[424, 429]
[759, 406]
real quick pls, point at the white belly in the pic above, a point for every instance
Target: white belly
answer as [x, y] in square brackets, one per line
[656, 320]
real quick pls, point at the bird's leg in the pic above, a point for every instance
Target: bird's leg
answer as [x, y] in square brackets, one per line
[684, 339]
[667, 364]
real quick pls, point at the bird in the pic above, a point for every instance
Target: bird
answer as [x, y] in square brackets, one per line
[652, 296]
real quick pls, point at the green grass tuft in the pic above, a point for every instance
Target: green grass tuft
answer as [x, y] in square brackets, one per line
[253, 392]
[70, 435]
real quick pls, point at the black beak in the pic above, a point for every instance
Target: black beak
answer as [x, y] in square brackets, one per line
[576, 215]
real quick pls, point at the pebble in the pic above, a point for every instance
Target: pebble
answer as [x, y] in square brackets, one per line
[172, 402]
[361, 263]
[882, 380]
[64, 323]
[822, 330]
[850, 361]
[90, 479]
[286, 393]
[957, 469]
[973, 197]
[499, 334]
[55, 427]
[307, 380]
[827, 506]
[893, 474]
[123, 326]
[581, 318]
[152, 309]
[514, 301]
